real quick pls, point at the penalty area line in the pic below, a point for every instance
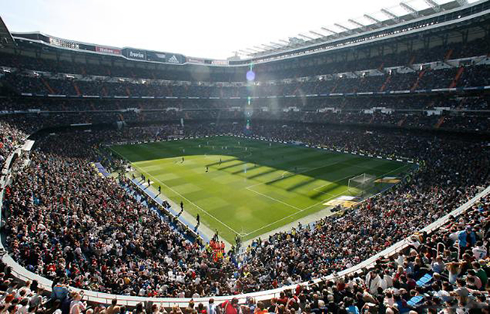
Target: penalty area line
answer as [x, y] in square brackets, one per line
[189, 201]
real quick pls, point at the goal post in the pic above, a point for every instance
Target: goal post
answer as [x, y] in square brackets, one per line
[361, 184]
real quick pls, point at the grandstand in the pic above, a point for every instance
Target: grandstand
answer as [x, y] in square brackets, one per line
[350, 173]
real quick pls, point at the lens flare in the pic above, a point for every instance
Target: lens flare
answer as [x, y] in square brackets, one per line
[250, 76]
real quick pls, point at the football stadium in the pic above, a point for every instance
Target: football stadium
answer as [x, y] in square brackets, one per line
[343, 170]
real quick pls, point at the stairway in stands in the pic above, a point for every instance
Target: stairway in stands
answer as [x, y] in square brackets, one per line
[416, 84]
[48, 87]
[439, 122]
[457, 77]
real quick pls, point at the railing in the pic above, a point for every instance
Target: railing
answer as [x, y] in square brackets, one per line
[23, 274]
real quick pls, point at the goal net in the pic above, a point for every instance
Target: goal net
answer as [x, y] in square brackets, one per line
[361, 184]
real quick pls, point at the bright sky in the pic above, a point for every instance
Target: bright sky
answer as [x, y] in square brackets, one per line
[197, 28]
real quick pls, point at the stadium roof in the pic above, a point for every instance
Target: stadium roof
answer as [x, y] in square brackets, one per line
[407, 18]
[407, 10]
[5, 36]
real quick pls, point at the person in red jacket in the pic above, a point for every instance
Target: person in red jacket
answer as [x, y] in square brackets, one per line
[230, 307]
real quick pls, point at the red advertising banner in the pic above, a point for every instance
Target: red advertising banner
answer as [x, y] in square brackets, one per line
[194, 60]
[112, 51]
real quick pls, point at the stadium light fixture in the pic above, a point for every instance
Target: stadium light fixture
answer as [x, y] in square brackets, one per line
[434, 5]
[410, 10]
[391, 15]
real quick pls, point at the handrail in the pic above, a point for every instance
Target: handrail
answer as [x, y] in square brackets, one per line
[439, 244]
[23, 274]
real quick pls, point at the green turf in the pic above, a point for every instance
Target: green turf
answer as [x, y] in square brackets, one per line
[258, 187]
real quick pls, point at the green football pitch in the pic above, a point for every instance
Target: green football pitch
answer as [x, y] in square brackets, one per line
[250, 186]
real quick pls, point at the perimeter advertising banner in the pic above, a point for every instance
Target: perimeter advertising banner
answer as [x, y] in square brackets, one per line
[175, 58]
[195, 60]
[156, 56]
[108, 50]
[219, 62]
[134, 54]
[165, 57]
[86, 47]
[63, 43]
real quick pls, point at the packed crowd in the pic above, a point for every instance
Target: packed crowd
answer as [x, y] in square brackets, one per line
[422, 79]
[306, 66]
[446, 271]
[10, 138]
[95, 248]
[99, 245]
[462, 114]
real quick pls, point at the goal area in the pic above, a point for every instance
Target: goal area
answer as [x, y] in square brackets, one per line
[361, 184]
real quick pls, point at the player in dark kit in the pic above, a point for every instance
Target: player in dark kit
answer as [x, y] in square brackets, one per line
[181, 208]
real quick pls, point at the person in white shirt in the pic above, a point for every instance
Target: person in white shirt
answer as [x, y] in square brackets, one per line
[24, 306]
[77, 306]
[479, 251]
[37, 298]
[373, 282]
[211, 308]
[387, 280]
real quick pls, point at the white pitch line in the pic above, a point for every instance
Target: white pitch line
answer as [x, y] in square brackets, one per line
[382, 175]
[333, 196]
[185, 198]
[316, 204]
[301, 172]
[341, 179]
[270, 197]
[263, 227]
[248, 188]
